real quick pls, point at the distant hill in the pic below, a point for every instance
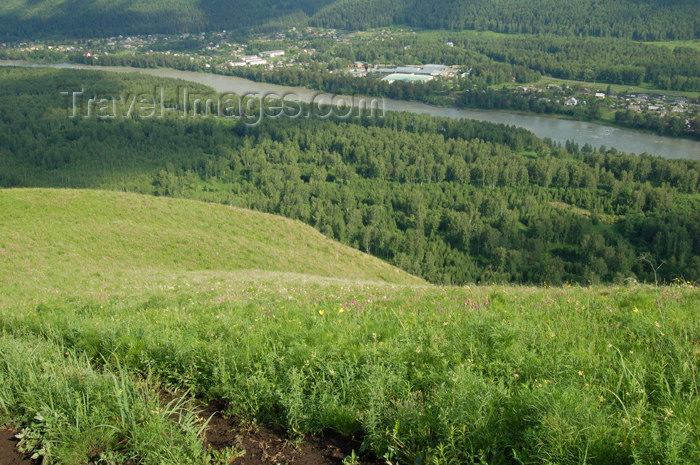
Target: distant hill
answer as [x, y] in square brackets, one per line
[637, 19]
[46, 233]
[84, 18]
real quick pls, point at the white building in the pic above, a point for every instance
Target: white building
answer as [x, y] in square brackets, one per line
[274, 53]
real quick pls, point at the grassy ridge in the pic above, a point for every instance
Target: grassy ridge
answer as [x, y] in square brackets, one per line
[425, 374]
[50, 234]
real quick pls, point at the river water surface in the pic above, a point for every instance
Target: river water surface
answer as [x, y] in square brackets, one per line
[559, 130]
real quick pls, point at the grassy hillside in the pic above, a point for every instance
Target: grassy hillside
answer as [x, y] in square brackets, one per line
[99, 315]
[50, 235]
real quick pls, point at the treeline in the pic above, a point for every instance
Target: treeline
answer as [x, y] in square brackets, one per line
[638, 20]
[454, 201]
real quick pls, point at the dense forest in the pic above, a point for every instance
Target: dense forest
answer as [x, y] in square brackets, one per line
[24, 19]
[454, 201]
[639, 20]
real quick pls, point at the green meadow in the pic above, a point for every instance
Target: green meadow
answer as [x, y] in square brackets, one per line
[109, 300]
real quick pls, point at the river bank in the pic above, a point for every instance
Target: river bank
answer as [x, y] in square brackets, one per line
[558, 130]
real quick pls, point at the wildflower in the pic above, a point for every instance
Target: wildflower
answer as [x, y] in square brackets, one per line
[580, 373]
[636, 310]
[320, 312]
[340, 310]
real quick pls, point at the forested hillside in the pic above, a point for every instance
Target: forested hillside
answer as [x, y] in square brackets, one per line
[452, 201]
[639, 20]
[635, 19]
[26, 19]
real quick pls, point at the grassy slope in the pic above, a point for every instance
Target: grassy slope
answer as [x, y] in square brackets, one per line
[53, 234]
[443, 375]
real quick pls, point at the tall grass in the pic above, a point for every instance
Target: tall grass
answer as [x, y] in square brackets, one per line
[72, 412]
[425, 374]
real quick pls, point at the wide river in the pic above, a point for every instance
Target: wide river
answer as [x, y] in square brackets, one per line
[559, 130]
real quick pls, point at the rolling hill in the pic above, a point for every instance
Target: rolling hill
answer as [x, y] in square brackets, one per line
[84, 237]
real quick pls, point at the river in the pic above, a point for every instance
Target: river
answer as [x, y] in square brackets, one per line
[559, 130]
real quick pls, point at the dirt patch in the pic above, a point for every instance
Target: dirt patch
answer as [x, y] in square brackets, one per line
[271, 446]
[9, 455]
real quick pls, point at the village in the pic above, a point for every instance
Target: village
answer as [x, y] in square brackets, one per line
[315, 49]
[574, 94]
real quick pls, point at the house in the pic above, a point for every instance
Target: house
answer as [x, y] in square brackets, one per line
[572, 102]
[600, 95]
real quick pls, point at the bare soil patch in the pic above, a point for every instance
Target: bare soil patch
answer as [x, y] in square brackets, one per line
[271, 446]
[9, 455]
